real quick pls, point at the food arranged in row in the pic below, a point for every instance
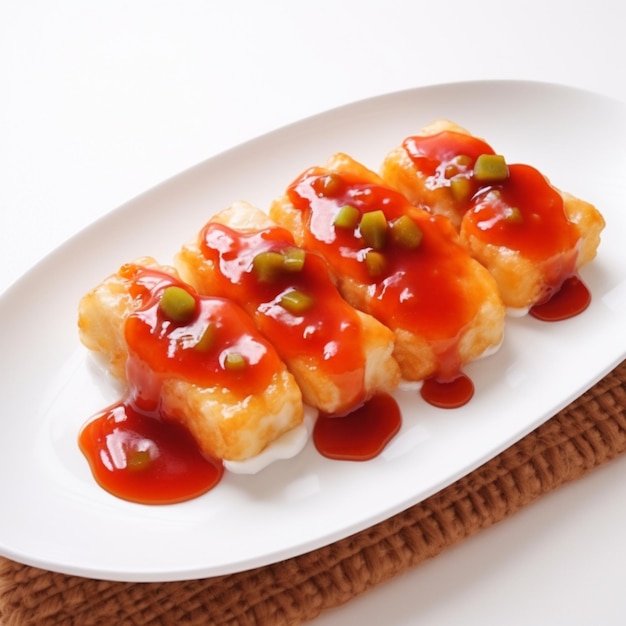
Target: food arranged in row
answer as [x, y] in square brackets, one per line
[275, 327]
[398, 262]
[339, 356]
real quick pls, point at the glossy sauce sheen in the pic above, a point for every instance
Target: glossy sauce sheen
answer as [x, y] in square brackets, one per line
[432, 155]
[144, 459]
[542, 229]
[329, 331]
[134, 450]
[523, 213]
[571, 299]
[137, 453]
[361, 435]
[450, 394]
[422, 289]
[168, 348]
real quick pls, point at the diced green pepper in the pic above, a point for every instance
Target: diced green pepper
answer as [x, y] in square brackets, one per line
[461, 188]
[234, 362]
[267, 265]
[177, 304]
[296, 302]
[293, 259]
[347, 217]
[373, 227]
[490, 168]
[405, 232]
[207, 340]
[375, 263]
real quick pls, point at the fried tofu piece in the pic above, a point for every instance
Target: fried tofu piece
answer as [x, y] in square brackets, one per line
[400, 172]
[401, 264]
[212, 371]
[340, 357]
[530, 235]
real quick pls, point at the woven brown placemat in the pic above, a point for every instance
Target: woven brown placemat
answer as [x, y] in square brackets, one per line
[587, 433]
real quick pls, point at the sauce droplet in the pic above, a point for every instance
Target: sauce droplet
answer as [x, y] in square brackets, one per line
[571, 299]
[450, 394]
[362, 434]
[144, 459]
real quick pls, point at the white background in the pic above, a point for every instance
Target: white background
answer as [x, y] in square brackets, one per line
[99, 102]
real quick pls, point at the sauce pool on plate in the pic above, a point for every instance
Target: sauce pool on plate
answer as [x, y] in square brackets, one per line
[145, 459]
[361, 435]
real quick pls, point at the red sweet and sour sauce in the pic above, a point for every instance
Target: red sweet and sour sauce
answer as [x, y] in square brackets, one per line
[522, 212]
[360, 435]
[146, 459]
[423, 290]
[448, 394]
[321, 326]
[135, 449]
[571, 299]
[138, 452]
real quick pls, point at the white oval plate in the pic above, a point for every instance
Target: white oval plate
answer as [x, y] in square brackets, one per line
[53, 514]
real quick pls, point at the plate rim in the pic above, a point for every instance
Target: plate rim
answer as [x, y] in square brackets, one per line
[112, 215]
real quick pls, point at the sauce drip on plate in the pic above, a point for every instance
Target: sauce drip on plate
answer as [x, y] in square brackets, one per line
[360, 435]
[572, 298]
[135, 449]
[449, 394]
[144, 459]
[138, 452]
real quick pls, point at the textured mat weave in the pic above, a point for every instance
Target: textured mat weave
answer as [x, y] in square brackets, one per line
[587, 433]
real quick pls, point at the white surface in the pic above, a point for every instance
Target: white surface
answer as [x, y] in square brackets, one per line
[536, 371]
[99, 103]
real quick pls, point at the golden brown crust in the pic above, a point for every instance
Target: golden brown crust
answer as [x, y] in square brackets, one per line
[416, 355]
[224, 424]
[232, 428]
[399, 172]
[329, 392]
[102, 313]
[522, 281]
[589, 222]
